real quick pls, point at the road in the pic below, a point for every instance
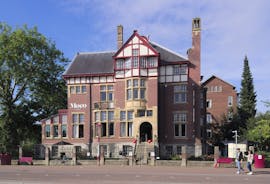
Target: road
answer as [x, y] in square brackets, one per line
[126, 174]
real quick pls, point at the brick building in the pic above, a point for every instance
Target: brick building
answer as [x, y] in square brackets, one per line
[141, 95]
[221, 101]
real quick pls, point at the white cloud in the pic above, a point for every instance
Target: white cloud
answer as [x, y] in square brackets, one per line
[230, 30]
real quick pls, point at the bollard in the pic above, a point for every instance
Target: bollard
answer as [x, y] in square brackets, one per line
[152, 159]
[74, 159]
[47, 155]
[20, 152]
[184, 156]
[130, 158]
[216, 156]
[102, 159]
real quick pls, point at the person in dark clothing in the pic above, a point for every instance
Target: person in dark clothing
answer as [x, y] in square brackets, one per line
[239, 159]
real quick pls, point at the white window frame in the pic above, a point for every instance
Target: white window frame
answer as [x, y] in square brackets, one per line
[209, 118]
[230, 101]
[209, 103]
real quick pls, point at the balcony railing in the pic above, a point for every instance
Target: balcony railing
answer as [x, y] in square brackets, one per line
[103, 105]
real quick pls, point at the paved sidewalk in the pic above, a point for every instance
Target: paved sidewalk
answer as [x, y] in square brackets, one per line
[126, 174]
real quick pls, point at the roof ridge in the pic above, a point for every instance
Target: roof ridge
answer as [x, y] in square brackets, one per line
[214, 76]
[169, 50]
[98, 52]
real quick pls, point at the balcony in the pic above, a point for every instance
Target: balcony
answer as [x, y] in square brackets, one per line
[103, 105]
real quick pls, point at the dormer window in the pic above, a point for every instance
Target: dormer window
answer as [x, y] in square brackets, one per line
[135, 52]
[120, 64]
[152, 62]
[135, 58]
[176, 70]
[128, 63]
[143, 62]
[180, 70]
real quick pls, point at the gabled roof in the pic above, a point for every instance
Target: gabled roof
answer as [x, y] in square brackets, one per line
[166, 55]
[141, 38]
[215, 77]
[90, 64]
[97, 63]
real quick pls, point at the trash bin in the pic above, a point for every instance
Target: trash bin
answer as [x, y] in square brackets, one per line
[5, 159]
[259, 161]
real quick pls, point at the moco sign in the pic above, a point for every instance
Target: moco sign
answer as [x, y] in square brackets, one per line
[77, 106]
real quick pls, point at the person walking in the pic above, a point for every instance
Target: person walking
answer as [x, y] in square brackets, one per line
[250, 158]
[238, 159]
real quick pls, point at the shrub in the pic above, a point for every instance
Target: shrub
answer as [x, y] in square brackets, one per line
[202, 158]
[176, 157]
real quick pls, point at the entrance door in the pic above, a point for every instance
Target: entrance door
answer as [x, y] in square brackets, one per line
[145, 132]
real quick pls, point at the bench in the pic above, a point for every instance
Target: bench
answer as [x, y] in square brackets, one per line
[223, 160]
[25, 161]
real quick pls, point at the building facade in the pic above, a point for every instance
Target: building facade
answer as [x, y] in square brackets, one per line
[141, 95]
[221, 101]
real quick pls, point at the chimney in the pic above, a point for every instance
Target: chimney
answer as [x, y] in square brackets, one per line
[196, 24]
[119, 36]
[194, 57]
[194, 53]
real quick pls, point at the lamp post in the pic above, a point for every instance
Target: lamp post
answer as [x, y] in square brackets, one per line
[235, 137]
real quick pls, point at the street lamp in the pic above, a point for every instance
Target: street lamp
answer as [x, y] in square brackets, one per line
[235, 136]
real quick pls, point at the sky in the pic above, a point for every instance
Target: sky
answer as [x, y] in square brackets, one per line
[231, 30]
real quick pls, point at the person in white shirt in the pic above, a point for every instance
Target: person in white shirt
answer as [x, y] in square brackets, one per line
[250, 158]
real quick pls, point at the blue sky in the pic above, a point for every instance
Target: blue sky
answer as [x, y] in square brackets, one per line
[231, 29]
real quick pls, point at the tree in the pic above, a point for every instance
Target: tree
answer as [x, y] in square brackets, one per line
[247, 103]
[30, 82]
[223, 131]
[259, 130]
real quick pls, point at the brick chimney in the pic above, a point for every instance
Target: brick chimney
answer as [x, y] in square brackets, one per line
[194, 53]
[119, 36]
[194, 56]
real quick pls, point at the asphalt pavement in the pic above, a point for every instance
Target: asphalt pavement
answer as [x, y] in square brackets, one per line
[127, 174]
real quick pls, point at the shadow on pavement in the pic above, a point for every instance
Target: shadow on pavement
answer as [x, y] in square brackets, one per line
[261, 172]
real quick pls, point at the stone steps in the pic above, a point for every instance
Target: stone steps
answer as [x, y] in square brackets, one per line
[142, 152]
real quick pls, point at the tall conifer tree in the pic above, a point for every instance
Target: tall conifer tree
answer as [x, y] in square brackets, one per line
[247, 103]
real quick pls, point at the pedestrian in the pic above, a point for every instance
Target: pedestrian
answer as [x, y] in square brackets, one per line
[250, 158]
[239, 159]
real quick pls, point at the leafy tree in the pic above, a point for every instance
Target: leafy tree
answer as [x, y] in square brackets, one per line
[30, 82]
[217, 134]
[247, 103]
[227, 127]
[259, 130]
[223, 131]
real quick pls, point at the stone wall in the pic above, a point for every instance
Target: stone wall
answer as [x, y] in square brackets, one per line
[122, 162]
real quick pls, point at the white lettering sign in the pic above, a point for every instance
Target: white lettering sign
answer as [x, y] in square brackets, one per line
[78, 106]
